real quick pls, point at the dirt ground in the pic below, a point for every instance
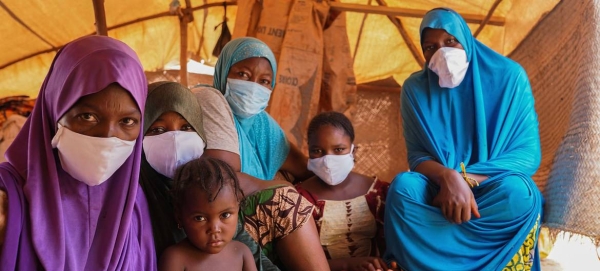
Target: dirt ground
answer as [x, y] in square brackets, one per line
[572, 254]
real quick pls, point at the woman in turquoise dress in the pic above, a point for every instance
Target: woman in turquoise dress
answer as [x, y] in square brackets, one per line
[474, 107]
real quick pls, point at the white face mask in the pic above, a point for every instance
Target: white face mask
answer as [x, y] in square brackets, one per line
[332, 169]
[167, 151]
[451, 65]
[90, 160]
[246, 98]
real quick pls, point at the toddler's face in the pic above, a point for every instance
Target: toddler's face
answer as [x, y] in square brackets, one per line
[209, 226]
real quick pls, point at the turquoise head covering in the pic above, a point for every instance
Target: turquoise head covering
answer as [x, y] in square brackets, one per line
[453, 23]
[237, 50]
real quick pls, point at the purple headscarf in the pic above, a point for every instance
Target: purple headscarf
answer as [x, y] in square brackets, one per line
[54, 221]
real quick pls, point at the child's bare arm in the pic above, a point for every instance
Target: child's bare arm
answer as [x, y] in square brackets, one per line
[249, 264]
[172, 259]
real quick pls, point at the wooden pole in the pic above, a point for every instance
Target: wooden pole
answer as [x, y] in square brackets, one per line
[487, 18]
[187, 17]
[406, 12]
[183, 74]
[100, 15]
[362, 25]
[414, 50]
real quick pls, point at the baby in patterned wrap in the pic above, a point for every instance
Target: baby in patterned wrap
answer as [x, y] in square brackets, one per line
[349, 207]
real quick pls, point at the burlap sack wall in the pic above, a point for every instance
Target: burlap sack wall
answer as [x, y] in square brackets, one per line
[293, 29]
[552, 55]
[266, 20]
[562, 58]
[296, 97]
[338, 87]
[381, 150]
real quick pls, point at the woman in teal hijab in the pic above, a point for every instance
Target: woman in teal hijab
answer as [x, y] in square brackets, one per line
[276, 216]
[276, 222]
[471, 106]
[245, 74]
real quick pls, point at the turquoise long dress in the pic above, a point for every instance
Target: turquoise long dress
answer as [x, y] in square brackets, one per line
[489, 123]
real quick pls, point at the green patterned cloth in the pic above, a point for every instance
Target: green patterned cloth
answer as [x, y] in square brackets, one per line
[270, 215]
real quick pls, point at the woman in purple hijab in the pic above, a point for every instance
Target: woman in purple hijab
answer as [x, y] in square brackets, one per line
[74, 202]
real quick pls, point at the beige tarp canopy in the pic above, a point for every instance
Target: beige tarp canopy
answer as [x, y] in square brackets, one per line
[372, 46]
[31, 32]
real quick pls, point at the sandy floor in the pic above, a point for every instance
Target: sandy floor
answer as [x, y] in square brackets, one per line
[572, 254]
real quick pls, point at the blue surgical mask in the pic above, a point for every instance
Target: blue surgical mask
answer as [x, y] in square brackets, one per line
[246, 98]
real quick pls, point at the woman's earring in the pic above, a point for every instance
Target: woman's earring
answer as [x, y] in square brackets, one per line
[179, 226]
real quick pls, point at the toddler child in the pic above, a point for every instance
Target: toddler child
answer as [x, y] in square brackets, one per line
[207, 197]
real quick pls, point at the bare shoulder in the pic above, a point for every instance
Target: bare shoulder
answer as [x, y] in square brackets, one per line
[244, 252]
[310, 184]
[362, 182]
[239, 247]
[362, 179]
[173, 258]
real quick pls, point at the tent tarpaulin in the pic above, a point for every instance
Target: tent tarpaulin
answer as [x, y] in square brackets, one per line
[32, 30]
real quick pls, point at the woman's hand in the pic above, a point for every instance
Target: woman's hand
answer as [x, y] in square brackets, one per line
[455, 199]
[359, 264]
[394, 266]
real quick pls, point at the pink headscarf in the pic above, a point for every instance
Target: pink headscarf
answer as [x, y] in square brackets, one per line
[54, 221]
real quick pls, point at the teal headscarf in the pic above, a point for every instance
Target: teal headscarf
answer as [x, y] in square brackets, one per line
[263, 145]
[489, 123]
[237, 50]
[453, 23]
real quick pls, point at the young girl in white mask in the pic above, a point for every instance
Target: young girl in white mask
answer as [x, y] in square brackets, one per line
[347, 203]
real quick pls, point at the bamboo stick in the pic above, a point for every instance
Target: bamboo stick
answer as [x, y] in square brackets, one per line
[100, 15]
